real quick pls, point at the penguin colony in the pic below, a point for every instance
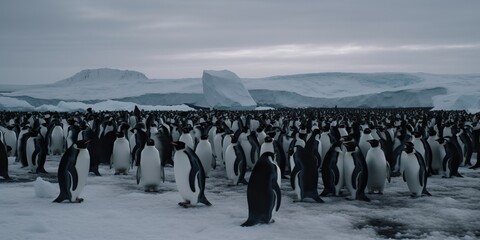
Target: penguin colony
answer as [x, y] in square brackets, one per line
[353, 151]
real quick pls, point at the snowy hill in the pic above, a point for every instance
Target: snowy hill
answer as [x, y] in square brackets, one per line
[460, 91]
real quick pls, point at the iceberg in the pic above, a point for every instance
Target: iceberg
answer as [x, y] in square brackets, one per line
[225, 90]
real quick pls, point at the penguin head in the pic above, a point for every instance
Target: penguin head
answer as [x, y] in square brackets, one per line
[268, 155]
[204, 137]
[417, 134]
[367, 131]
[120, 134]
[178, 145]
[408, 147]
[268, 139]
[82, 144]
[350, 146]
[440, 140]
[373, 143]
[150, 142]
[432, 132]
[271, 134]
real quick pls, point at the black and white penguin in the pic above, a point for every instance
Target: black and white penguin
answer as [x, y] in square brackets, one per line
[189, 176]
[56, 139]
[73, 172]
[139, 138]
[363, 143]
[304, 175]
[163, 143]
[204, 153]
[150, 171]
[263, 192]
[10, 140]
[218, 144]
[449, 157]
[4, 160]
[355, 172]
[378, 168]
[332, 170]
[414, 171]
[235, 161]
[24, 135]
[36, 152]
[247, 147]
[121, 158]
[187, 138]
[326, 139]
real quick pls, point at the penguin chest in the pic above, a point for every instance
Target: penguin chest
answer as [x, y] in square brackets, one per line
[30, 149]
[411, 174]
[121, 154]
[377, 167]
[341, 181]
[230, 158]
[204, 153]
[182, 170]
[247, 148]
[150, 168]
[348, 169]
[82, 167]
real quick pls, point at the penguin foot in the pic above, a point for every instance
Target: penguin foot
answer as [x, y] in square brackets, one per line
[117, 173]
[363, 198]
[297, 200]
[78, 200]
[459, 175]
[318, 200]
[185, 204]
[272, 221]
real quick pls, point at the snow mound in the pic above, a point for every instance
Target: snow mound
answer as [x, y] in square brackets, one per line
[101, 74]
[225, 90]
[44, 189]
[13, 104]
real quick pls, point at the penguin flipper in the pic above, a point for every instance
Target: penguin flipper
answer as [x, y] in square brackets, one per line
[214, 162]
[388, 173]
[138, 175]
[294, 173]
[250, 222]
[403, 175]
[355, 176]
[278, 195]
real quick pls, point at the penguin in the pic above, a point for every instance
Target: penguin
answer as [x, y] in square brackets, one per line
[449, 157]
[436, 148]
[55, 145]
[414, 171]
[355, 172]
[204, 153]
[22, 146]
[4, 160]
[314, 146]
[304, 176]
[36, 152]
[378, 168]
[263, 192]
[73, 172]
[254, 152]
[121, 158]
[332, 170]
[422, 147]
[163, 144]
[11, 140]
[217, 144]
[187, 138]
[261, 135]
[189, 176]
[326, 140]
[235, 161]
[247, 147]
[139, 139]
[150, 171]
[363, 142]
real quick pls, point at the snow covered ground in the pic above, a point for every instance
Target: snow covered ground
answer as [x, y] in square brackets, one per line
[116, 208]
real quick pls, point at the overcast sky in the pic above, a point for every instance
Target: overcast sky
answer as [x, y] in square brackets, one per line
[46, 41]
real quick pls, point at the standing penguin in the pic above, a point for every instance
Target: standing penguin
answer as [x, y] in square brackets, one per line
[36, 152]
[414, 171]
[204, 153]
[121, 158]
[11, 140]
[332, 170]
[189, 176]
[355, 172]
[235, 162]
[73, 172]
[263, 192]
[217, 144]
[56, 140]
[304, 176]
[378, 168]
[150, 170]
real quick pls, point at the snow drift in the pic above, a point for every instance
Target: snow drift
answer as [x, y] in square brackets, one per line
[225, 90]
